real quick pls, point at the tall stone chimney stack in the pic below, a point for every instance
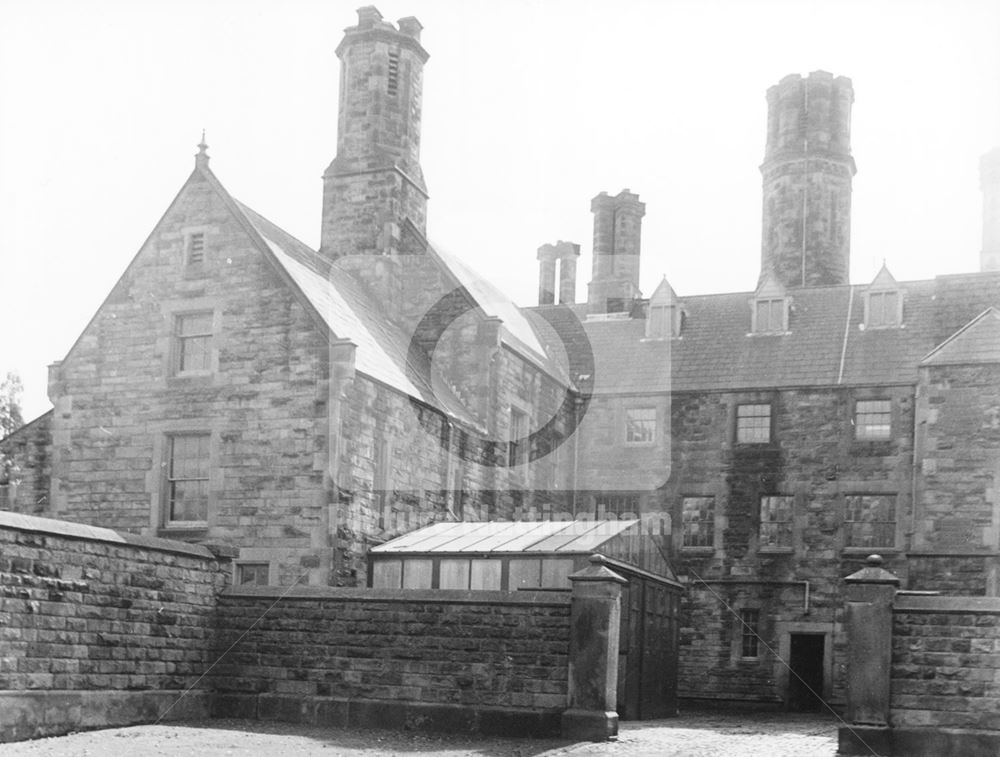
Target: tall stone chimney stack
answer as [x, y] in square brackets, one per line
[807, 175]
[564, 255]
[378, 139]
[989, 182]
[617, 236]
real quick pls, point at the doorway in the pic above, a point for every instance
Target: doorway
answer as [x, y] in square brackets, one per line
[805, 680]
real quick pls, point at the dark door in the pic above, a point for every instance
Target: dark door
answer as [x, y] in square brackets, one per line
[805, 679]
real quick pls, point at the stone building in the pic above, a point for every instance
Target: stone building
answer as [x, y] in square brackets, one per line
[304, 405]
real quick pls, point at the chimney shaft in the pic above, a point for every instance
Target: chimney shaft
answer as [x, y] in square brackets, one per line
[807, 176]
[617, 242]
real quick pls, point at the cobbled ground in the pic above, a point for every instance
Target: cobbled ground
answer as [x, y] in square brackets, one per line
[690, 735]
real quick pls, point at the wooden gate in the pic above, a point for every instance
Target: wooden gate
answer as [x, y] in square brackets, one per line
[648, 651]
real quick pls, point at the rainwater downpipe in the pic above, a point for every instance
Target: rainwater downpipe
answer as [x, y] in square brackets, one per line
[847, 333]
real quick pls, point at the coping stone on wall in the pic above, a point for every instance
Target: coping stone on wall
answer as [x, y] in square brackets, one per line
[66, 529]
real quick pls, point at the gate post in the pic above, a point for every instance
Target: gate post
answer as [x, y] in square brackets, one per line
[869, 593]
[595, 623]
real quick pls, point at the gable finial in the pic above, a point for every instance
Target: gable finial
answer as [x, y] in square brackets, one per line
[201, 159]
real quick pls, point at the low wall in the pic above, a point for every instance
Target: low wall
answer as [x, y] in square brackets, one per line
[444, 660]
[944, 681]
[100, 628]
[946, 663]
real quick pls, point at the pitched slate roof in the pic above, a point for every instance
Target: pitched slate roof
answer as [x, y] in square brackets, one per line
[978, 342]
[382, 351]
[625, 362]
[826, 344]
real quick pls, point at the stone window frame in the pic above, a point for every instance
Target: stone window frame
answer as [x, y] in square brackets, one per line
[891, 525]
[156, 484]
[738, 430]
[170, 346]
[859, 413]
[169, 480]
[648, 426]
[749, 632]
[241, 566]
[770, 546]
[519, 425]
[183, 339]
[709, 523]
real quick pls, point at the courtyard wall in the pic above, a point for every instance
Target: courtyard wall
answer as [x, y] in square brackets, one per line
[99, 628]
[491, 662]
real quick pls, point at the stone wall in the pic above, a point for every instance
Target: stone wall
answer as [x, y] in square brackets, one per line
[813, 458]
[958, 525]
[260, 400]
[100, 628]
[26, 488]
[946, 662]
[485, 661]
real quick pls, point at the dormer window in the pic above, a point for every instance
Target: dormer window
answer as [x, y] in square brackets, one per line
[770, 316]
[883, 309]
[770, 307]
[664, 317]
[883, 302]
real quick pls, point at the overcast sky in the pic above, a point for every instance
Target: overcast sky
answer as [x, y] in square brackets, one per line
[530, 109]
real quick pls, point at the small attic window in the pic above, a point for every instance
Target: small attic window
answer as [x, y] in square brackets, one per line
[663, 322]
[393, 85]
[769, 307]
[664, 318]
[196, 248]
[882, 310]
[883, 302]
[770, 315]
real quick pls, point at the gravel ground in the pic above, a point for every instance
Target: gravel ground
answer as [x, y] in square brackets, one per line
[691, 735]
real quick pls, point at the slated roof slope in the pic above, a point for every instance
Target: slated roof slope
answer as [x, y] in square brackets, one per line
[382, 351]
[826, 343]
[979, 342]
[625, 362]
[495, 303]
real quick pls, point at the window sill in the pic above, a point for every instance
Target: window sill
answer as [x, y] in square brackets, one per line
[872, 447]
[183, 531]
[697, 551]
[871, 551]
[776, 550]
